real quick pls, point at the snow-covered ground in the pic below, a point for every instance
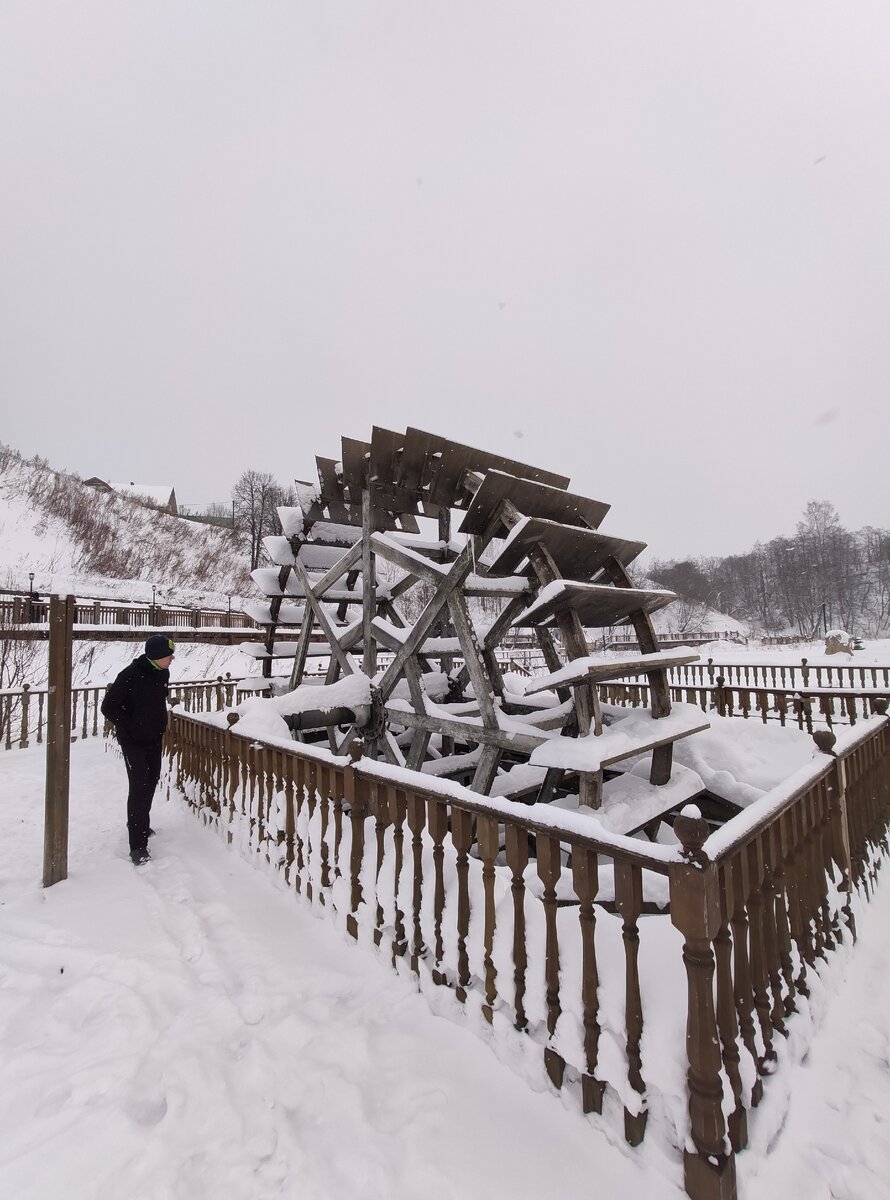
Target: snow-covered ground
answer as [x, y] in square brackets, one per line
[191, 1029]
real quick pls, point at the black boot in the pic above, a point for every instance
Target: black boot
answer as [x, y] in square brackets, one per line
[138, 857]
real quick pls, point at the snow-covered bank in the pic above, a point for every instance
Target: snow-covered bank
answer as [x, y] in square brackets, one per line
[191, 1030]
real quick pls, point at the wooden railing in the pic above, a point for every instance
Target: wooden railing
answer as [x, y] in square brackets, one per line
[679, 637]
[23, 710]
[536, 924]
[776, 886]
[793, 676]
[808, 709]
[22, 610]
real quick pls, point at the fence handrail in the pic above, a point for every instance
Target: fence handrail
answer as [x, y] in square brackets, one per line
[566, 826]
[753, 819]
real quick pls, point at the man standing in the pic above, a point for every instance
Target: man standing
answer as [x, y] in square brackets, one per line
[136, 705]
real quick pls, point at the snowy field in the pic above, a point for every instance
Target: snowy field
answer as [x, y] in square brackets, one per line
[191, 1029]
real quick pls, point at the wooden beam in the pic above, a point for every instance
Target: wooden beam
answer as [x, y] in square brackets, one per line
[324, 621]
[58, 740]
[463, 731]
[459, 571]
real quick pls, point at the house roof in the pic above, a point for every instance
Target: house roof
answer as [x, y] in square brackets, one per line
[160, 493]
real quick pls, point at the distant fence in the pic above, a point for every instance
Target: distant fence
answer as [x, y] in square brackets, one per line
[838, 675]
[538, 927]
[23, 710]
[807, 708]
[678, 637]
[22, 610]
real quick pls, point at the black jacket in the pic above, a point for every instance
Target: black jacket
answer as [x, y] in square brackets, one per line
[136, 703]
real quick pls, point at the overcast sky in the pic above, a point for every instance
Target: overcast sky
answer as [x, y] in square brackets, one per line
[646, 245]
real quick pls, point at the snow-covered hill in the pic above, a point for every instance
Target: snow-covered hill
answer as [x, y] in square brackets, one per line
[79, 540]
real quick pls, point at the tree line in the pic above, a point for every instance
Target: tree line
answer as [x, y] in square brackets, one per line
[824, 577]
[253, 511]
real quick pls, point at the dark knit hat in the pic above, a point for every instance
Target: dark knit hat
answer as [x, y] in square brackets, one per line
[158, 646]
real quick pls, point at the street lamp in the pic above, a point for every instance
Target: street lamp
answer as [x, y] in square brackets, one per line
[32, 616]
[154, 618]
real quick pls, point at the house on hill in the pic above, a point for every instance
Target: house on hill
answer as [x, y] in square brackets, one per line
[161, 495]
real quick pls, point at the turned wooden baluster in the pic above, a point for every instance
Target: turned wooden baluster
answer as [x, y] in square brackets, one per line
[629, 902]
[797, 901]
[517, 861]
[815, 875]
[756, 922]
[337, 791]
[727, 1020]
[356, 795]
[324, 800]
[379, 804]
[840, 837]
[231, 748]
[438, 826]
[780, 857]
[825, 916]
[488, 835]
[770, 934]
[549, 866]
[310, 850]
[299, 804]
[695, 911]
[416, 823]
[743, 988]
[585, 880]
[462, 838]
[397, 811]
[289, 821]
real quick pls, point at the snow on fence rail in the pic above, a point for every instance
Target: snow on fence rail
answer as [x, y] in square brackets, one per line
[542, 926]
[23, 610]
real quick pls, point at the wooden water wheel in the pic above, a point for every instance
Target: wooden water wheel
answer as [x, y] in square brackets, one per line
[353, 555]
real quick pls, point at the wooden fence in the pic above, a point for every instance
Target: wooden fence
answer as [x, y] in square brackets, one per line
[23, 710]
[807, 709]
[793, 676]
[22, 610]
[677, 637]
[538, 927]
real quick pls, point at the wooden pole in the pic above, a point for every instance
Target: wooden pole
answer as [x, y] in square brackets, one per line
[58, 740]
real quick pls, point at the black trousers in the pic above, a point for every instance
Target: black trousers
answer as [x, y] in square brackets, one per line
[143, 761]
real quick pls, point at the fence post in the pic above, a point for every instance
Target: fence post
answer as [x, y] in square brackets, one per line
[58, 740]
[839, 824]
[709, 1171]
[26, 703]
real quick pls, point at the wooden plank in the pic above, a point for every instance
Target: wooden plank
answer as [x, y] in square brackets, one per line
[58, 740]
[328, 479]
[602, 672]
[457, 458]
[386, 450]
[597, 605]
[355, 455]
[532, 499]
[578, 553]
